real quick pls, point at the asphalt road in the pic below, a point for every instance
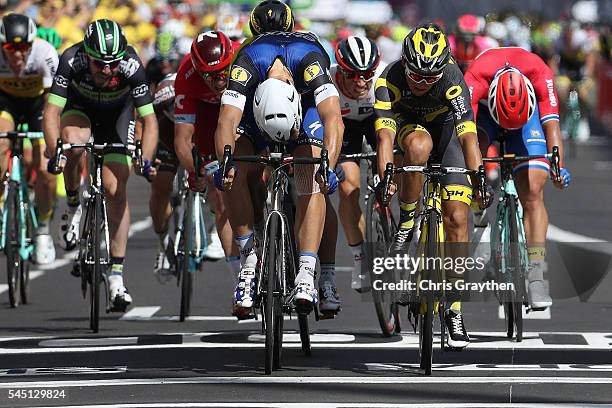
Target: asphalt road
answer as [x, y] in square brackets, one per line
[145, 357]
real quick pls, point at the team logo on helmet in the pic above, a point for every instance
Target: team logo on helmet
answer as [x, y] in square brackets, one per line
[428, 50]
[312, 71]
[240, 75]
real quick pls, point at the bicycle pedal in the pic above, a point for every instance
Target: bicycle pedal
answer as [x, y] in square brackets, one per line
[327, 315]
[303, 307]
[76, 270]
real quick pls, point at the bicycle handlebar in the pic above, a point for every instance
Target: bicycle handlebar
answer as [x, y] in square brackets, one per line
[273, 159]
[553, 157]
[21, 135]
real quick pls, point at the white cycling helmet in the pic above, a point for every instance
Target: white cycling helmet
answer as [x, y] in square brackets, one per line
[277, 109]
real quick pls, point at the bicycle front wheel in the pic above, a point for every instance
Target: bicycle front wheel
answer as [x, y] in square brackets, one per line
[427, 297]
[11, 246]
[514, 264]
[188, 266]
[24, 273]
[96, 278]
[379, 235]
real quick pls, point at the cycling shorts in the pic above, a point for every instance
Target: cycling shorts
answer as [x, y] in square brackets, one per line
[165, 146]
[528, 140]
[23, 111]
[355, 131]
[446, 151]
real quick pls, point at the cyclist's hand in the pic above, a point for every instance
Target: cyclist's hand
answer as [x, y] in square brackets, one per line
[198, 185]
[224, 184]
[379, 191]
[56, 164]
[566, 178]
[149, 169]
[477, 203]
[332, 182]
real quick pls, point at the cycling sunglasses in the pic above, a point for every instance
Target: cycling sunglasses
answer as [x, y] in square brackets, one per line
[101, 64]
[418, 78]
[216, 76]
[355, 75]
[16, 47]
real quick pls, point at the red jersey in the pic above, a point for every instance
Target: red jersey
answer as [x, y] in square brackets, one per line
[481, 72]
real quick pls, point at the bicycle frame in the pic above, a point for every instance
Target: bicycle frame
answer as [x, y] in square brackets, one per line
[196, 199]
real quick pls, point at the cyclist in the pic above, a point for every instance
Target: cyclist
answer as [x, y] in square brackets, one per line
[27, 67]
[201, 79]
[422, 104]
[165, 61]
[299, 59]
[50, 35]
[358, 64]
[99, 85]
[521, 97]
[468, 41]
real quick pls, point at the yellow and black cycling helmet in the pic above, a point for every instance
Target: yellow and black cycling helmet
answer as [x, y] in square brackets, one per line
[271, 15]
[426, 50]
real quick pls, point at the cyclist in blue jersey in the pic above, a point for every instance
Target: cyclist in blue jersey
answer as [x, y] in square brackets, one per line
[297, 59]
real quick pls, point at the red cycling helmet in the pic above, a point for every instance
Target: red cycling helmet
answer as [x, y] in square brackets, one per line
[512, 99]
[468, 25]
[211, 51]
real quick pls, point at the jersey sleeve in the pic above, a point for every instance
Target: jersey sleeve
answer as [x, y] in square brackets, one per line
[134, 71]
[185, 102]
[63, 76]
[478, 86]
[458, 100]
[385, 94]
[49, 67]
[243, 79]
[541, 77]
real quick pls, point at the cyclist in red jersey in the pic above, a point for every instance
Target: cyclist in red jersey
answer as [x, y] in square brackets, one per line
[201, 79]
[519, 90]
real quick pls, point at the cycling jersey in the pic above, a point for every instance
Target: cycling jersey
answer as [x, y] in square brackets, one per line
[164, 109]
[308, 64]
[356, 109]
[447, 99]
[482, 71]
[37, 75]
[465, 52]
[154, 70]
[74, 82]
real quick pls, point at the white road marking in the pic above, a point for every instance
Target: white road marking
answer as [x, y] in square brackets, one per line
[335, 405]
[33, 275]
[560, 235]
[122, 382]
[533, 315]
[206, 340]
[492, 367]
[140, 313]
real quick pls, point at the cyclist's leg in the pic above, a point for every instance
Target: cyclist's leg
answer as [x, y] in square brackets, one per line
[161, 191]
[416, 143]
[310, 208]
[456, 198]
[7, 124]
[530, 179]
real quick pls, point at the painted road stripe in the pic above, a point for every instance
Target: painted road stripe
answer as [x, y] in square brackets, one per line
[480, 341]
[492, 367]
[533, 315]
[334, 405]
[122, 382]
[140, 313]
[33, 275]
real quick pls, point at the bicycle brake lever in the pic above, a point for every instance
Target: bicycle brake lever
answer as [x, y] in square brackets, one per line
[138, 155]
[324, 169]
[197, 161]
[386, 184]
[482, 185]
[227, 163]
[59, 152]
[555, 163]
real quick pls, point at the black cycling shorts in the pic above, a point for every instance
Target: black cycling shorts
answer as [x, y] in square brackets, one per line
[355, 131]
[23, 110]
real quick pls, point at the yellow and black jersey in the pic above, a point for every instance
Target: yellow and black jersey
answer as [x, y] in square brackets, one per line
[448, 99]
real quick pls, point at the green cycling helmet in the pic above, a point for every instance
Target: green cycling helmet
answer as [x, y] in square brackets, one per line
[50, 35]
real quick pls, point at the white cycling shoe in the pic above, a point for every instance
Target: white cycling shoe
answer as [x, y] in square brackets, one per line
[214, 250]
[305, 296]
[69, 227]
[244, 295]
[329, 301]
[44, 250]
[120, 298]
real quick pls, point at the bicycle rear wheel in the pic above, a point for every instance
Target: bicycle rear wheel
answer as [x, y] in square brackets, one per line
[427, 298]
[379, 235]
[517, 271]
[24, 273]
[188, 267]
[11, 246]
[94, 285]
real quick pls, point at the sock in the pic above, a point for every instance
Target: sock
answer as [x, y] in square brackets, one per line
[308, 264]
[43, 222]
[454, 296]
[248, 257]
[536, 256]
[115, 278]
[163, 240]
[407, 211]
[233, 264]
[328, 273]
[72, 198]
[358, 258]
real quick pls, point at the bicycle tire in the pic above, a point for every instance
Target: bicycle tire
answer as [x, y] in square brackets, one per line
[24, 273]
[94, 285]
[379, 234]
[516, 267]
[304, 334]
[187, 270]
[426, 319]
[268, 300]
[11, 246]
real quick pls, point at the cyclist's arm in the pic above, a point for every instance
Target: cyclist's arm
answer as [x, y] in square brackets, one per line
[333, 126]
[183, 133]
[56, 100]
[225, 134]
[51, 124]
[552, 132]
[385, 124]
[150, 136]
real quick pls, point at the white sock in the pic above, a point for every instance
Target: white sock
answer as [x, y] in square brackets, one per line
[233, 264]
[308, 264]
[248, 256]
[328, 273]
[115, 281]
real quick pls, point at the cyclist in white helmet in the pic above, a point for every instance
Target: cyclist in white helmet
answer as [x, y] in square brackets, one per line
[277, 110]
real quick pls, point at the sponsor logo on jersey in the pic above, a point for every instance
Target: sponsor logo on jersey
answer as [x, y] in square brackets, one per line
[129, 67]
[551, 92]
[535, 133]
[140, 91]
[61, 81]
[453, 92]
[240, 75]
[313, 71]
[178, 101]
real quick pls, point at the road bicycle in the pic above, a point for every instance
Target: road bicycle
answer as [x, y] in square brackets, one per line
[381, 225]
[188, 242]
[93, 257]
[571, 122]
[430, 299]
[509, 245]
[18, 220]
[279, 263]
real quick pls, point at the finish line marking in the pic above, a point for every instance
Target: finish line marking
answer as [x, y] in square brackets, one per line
[334, 405]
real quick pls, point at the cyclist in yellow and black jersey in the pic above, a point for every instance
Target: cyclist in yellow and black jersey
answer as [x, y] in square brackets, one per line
[423, 106]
